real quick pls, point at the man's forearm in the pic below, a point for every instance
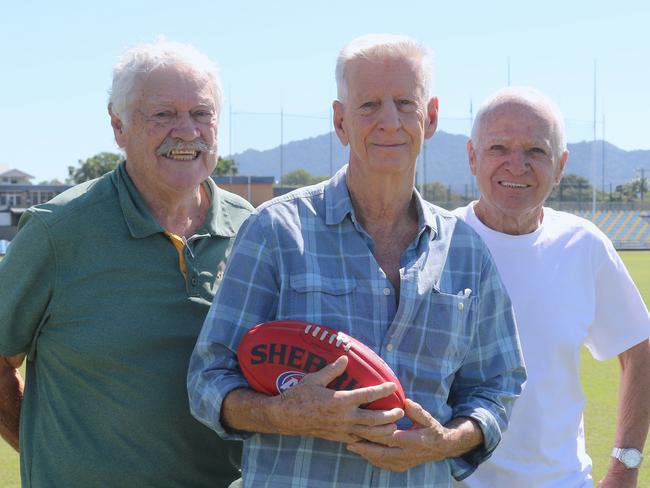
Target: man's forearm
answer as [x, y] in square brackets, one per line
[634, 397]
[313, 410]
[464, 434]
[248, 411]
[11, 396]
[633, 406]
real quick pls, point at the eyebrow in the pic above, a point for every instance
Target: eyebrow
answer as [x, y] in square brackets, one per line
[504, 139]
[165, 102]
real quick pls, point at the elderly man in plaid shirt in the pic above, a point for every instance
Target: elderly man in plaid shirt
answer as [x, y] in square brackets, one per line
[365, 254]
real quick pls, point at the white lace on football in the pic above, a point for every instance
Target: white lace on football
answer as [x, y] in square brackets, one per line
[340, 338]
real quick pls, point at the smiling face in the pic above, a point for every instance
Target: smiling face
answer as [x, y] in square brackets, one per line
[385, 116]
[516, 165]
[170, 136]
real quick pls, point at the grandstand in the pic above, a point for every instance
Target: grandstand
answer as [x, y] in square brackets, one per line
[626, 224]
[628, 229]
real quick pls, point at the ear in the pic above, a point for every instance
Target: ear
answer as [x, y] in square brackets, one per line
[432, 118]
[338, 110]
[471, 153]
[560, 168]
[118, 127]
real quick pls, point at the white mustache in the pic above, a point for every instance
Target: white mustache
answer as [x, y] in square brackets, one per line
[178, 144]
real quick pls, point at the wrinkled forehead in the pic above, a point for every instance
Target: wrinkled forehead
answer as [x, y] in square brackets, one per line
[518, 116]
[174, 83]
[387, 72]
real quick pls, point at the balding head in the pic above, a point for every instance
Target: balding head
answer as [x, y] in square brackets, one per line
[530, 98]
[517, 153]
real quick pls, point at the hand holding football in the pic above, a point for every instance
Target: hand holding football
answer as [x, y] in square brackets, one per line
[275, 356]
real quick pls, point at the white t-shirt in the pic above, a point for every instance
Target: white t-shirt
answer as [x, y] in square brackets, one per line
[568, 287]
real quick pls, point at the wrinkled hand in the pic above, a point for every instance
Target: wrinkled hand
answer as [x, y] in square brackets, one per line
[619, 478]
[312, 409]
[404, 449]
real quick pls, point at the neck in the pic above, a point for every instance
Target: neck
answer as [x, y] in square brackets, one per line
[183, 217]
[381, 200]
[180, 213]
[520, 224]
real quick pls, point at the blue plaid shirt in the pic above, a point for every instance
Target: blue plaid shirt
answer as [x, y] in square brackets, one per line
[451, 341]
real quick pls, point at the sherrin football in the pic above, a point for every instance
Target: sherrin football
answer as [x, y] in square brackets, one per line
[274, 356]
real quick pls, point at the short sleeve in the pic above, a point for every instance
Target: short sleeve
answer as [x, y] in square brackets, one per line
[621, 318]
[27, 274]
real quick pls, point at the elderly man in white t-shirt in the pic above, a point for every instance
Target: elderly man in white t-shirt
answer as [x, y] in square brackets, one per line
[568, 287]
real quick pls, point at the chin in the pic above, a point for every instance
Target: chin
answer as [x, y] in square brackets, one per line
[391, 166]
[185, 178]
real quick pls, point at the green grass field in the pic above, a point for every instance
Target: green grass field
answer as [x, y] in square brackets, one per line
[600, 382]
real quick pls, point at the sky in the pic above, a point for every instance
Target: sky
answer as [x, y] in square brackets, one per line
[279, 57]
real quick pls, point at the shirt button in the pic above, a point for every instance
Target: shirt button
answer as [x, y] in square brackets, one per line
[389, 347]
[461, 306]
[386, 291]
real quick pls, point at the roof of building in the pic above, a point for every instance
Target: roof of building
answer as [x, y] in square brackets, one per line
[15, 173]
[243, 180]
[18, 188]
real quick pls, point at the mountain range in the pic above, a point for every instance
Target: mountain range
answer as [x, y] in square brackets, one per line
[444, 159]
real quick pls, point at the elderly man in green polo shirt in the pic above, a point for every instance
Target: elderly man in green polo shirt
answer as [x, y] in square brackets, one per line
[105, 288]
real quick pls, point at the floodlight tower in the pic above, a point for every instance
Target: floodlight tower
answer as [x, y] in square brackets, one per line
[642, 183]
[230, 121]
[593, 154]
[602, 155]
[281, 144]
[331, 132]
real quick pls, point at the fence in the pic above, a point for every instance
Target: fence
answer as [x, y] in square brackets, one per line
[626, 225]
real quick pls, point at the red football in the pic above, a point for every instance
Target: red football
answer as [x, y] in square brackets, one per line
[274, 356]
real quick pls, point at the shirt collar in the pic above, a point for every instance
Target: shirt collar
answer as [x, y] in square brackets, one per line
[426, 215]
[337, 198]
[338, 204]
[141, 222]
[217, 222]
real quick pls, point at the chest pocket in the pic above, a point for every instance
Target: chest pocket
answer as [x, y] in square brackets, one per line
[434, 347]
[450, 327]
[318, 298]
[443, 338]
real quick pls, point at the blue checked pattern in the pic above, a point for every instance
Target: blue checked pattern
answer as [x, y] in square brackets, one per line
[451, 341]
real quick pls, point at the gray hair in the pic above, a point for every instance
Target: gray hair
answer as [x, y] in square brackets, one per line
[378, 46]
[528, 96]
[145, 58]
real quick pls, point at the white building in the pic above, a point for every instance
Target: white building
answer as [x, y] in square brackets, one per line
[18, 193]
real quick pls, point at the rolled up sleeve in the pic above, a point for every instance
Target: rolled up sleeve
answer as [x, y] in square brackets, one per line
[493, 375]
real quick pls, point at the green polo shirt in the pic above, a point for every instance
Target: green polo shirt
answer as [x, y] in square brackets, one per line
[91, 290]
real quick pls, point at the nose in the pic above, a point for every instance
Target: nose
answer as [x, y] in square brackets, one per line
[518, 162]
[185, 128]
[390, 119]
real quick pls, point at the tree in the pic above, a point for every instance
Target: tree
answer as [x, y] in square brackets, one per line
[54, 182]
[440, 194]
[301, 177]
[632, 191]
[572, 188]
[225, 167]
[93, 167]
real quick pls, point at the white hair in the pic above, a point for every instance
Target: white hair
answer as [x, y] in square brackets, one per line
[145, 58]
[531, 97]
[380, 46]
